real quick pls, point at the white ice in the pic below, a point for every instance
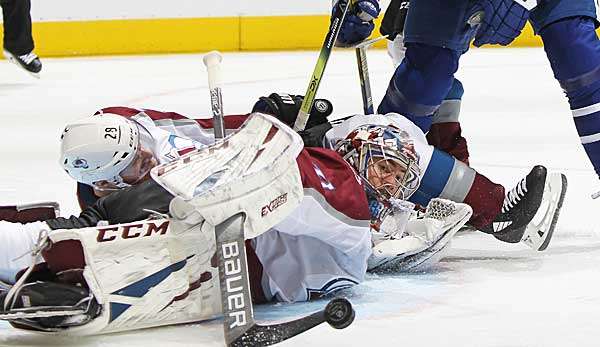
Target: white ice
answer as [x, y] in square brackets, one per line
[485, 293]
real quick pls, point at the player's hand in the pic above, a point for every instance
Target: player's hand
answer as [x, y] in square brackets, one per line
[501, 23]
[358, 23]
[285, 107]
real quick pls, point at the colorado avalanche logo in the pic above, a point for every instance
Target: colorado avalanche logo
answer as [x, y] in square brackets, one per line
[181, 146]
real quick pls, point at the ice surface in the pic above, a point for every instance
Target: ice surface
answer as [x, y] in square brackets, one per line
[485, 293]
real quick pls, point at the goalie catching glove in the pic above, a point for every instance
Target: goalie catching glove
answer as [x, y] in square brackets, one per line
[413, 245]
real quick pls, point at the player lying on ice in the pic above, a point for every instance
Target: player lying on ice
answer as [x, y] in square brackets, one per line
[163, 267]
[308, 235]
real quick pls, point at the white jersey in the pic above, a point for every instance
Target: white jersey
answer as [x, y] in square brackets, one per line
[166, 145]
[345, 127]
[324, 244]
[326, 240]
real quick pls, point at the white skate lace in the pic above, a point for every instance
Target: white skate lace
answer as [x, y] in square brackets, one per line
[40, 245]
[28, 58]
[514, 195]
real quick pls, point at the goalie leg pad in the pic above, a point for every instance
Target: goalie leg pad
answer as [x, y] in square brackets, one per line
[27, 213]
[17, 241]
[145, 274]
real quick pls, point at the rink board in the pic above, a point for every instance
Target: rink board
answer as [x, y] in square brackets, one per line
[187, 35]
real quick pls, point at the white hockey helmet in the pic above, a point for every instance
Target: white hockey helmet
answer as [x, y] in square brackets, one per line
[369, 145]
[99, 148]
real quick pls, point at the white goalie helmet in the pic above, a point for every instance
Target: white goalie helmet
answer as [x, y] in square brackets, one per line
[99, 148]
[385, 154]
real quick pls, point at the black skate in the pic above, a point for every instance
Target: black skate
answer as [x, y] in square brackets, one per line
[49, 306]
[29, 62]
[530, 210]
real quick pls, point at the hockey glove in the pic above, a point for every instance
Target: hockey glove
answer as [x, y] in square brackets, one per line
[313, 137]
[358, 23]
[502, 22]
[393, 20]
[285, 107]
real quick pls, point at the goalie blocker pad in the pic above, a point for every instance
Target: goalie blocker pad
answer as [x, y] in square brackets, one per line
[253, 172]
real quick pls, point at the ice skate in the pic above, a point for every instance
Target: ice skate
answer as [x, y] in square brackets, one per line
[48, 305]
[28, 62]
[530, 210]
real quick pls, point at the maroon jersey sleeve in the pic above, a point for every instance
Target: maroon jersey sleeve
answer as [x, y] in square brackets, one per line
[326, 172]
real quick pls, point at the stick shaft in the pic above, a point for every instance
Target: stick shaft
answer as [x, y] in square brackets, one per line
[365, 83]
[315, 79]
[212, 61]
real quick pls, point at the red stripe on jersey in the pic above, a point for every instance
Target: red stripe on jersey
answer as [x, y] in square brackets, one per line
[325, 171]
[231, 121]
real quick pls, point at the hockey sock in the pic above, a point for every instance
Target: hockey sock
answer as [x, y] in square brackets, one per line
[450, 179]
[573, 50]
[420, 83]
[445, 132]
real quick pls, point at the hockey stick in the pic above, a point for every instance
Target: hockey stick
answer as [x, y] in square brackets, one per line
[212, 61]
[363, 73]
[315, 80]
[239, 325]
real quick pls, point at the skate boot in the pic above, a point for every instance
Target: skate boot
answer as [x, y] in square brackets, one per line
[48, 306]
[530, 210]
[29, 62]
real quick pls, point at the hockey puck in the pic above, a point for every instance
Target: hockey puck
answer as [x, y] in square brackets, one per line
[339, 313]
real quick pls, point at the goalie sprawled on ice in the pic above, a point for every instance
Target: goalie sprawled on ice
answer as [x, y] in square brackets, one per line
[308, 217]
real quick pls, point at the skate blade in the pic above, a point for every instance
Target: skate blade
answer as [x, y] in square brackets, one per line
[10, 58]
[540, 230]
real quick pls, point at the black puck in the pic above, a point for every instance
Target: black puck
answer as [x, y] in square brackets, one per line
[339, 313]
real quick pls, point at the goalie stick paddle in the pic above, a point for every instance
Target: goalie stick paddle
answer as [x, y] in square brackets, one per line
[238, 317]
[212, 61]
[315, 80]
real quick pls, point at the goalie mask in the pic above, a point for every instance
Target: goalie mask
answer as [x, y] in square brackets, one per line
[100, 149]
[385, 159]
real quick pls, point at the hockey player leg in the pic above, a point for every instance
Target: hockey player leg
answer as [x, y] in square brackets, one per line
[424, 240]
[573, 50]
[445, 132]
[420, 83]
